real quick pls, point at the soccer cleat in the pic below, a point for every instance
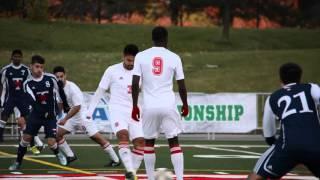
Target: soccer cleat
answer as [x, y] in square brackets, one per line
[15, 166]
[34, 150]
[113, 164]
[40, 148]
[130, 176]
[62, 159]
[71, 159]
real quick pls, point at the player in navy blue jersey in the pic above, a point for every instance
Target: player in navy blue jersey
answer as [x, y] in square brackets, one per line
[12, 95]
[43, 95]
[296, 106]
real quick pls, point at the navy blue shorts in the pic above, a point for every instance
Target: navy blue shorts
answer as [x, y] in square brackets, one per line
[277, 162]
[18, 102]
[35, 122]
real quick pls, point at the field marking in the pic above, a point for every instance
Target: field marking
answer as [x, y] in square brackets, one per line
[226, 156]
[31, 156]
[162, 145]
[229, 150]
[49, 164]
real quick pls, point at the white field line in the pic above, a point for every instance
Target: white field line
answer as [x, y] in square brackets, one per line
[162, 145]
[229, 150]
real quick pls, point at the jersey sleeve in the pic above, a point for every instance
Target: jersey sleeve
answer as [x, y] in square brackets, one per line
[315, 93]
[76, 96]
[137, 66]
[105, 80]
[3, 76]
[179, 70]
[56, 89]
[269, 120]
[30, 97]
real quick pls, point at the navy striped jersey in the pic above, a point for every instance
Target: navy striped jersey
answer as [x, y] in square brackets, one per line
[296, 106]
[12, 79]
[43, 94]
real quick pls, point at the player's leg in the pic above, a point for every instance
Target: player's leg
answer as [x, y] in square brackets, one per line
[311, 160]
[32, 129]
[22, 149]
[136, 134]
[62, 142]
[50, 134]
[171, 124]
[150, 125]
[273, 164]
[94, 135]
[5, 114]
[22, 111]
[124, 150]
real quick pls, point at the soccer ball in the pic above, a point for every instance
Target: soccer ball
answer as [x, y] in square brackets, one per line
[163, 174]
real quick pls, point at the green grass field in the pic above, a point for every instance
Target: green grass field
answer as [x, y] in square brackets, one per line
[201, 157]
[86, 50]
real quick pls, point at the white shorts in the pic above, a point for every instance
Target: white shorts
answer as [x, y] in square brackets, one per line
[121, 119]
[158, 120]
[87, 124]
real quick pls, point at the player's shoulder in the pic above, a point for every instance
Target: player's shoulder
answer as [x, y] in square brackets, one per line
[24, 66]
[72, 85]
[113, 68]
[6, 67]
[49, 76]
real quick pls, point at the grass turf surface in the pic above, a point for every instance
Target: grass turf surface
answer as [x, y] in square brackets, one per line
[93, 159]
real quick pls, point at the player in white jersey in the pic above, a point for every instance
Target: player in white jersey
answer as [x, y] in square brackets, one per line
[76, 118]
[117, 79]
[156, 67]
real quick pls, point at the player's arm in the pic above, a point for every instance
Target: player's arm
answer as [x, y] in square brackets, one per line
[179, 74]
[99, 93]
[30, 97]
[137, 72]
[2, 81]
[269, 123]
[63, 104]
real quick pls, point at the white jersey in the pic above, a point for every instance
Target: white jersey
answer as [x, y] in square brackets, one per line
[74, 97]
[117, 80]
[157, 66]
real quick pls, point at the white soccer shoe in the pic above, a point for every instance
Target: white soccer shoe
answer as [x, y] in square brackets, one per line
[62, 159]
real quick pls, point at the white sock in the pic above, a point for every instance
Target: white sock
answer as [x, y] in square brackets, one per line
[65, 148]
[177, 161]
[149, 161]
[38, 141]
[126, 157]
[2, 124]
[109, 150]
[137, 157]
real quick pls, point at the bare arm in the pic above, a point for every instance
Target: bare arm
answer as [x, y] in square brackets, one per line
[135, 90]
[182, 91]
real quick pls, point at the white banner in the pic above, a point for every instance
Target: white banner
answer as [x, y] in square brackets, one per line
[221, 112]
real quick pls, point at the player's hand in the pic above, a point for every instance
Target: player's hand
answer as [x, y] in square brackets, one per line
[62, 122]
[184, 110]
[135, 115]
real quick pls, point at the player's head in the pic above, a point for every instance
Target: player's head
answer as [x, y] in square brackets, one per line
[160, 36]
[16, 57]
[37, 65]
[129, 52]
[60, 73]
[290, 73]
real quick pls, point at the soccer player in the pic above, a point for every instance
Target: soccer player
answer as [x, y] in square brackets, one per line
[76, 117]
[156, 67]
[42, 91]
[117, 79]
[13, 97]
[295, 105]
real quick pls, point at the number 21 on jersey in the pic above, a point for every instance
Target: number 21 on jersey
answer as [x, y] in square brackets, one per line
[157, 64]
[287, 100]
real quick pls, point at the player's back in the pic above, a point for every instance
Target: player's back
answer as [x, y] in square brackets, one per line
[158, 66]
[295, 105]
